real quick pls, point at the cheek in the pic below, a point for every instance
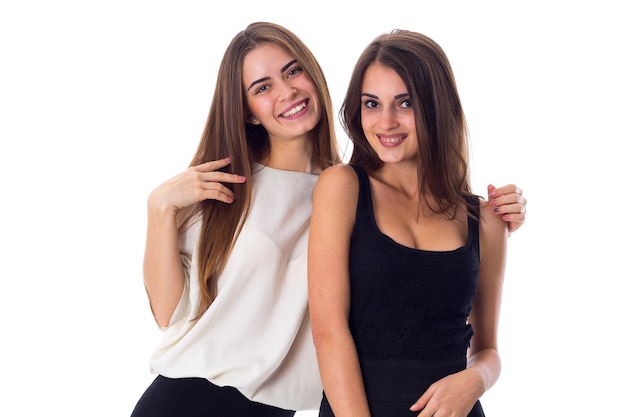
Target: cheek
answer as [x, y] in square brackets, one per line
[259, 106]
[315, 98]
[251, 104]
[408, 120]
[368, 126]
[367, 122]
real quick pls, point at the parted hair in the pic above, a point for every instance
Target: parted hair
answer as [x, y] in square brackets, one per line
[227, 133]
[443, 142]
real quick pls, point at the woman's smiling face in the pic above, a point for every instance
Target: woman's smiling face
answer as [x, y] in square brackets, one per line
[387, 115]
[279, 93]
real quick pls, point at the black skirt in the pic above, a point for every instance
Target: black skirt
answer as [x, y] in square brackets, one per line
[392, 386]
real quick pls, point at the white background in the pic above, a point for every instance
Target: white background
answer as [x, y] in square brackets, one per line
[101, 101]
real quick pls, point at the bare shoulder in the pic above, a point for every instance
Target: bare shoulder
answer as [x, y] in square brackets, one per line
[338, 178]
[336, 195]
[342, 172]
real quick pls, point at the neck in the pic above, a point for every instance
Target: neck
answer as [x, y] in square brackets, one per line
[291, 156]
[400, 176]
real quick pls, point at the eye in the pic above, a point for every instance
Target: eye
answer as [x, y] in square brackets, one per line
[405, 104]
[293, 71]
[371, 104]
[261, 88]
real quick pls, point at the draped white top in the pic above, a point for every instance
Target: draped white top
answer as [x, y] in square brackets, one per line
[256, 335]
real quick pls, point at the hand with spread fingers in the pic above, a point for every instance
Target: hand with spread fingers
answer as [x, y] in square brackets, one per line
[196, 183]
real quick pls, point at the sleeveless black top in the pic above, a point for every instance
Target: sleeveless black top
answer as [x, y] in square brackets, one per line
[408, 303]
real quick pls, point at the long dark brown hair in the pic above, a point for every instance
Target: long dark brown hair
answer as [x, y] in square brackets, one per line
[227, 134]
[443, 161]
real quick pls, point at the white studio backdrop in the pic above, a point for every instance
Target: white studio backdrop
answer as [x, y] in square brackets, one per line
[101, 101]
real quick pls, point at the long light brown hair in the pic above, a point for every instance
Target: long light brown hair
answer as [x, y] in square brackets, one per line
[227, 134]
[443, 160]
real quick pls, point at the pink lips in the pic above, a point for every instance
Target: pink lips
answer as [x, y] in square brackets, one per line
[391, 141]
[296, 110]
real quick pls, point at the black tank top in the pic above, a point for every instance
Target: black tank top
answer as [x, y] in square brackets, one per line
[408, 303]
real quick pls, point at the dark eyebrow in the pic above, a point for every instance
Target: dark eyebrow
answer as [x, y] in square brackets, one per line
[403, 95]
[290, 63]
[260, 80]
[283, 69]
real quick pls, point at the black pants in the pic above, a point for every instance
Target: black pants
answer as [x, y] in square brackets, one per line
[197, 397]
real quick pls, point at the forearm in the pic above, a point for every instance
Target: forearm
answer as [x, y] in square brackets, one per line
[487, 366]
[341, 375]
[162, 267]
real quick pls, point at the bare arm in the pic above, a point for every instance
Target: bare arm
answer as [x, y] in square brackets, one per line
[162, 267]
[485, 315]
[334, 207]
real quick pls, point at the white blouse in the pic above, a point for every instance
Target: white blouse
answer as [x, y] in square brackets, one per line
[256, 334]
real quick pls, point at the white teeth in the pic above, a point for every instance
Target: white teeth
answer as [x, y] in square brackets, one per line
[391, 140]
[295, 110]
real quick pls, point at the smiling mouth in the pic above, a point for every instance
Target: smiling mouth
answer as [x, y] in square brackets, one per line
[391, 140]
[295, 110]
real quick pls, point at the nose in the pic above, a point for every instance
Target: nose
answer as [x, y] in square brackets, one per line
[286, 91]
[388, 118]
